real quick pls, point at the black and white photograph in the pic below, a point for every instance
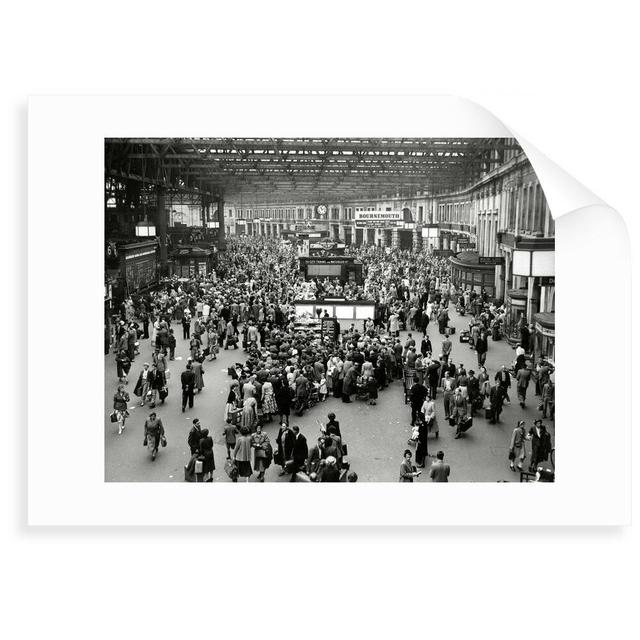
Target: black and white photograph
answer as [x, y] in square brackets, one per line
[327, 309]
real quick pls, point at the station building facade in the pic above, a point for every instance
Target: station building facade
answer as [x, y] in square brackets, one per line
[503, 216]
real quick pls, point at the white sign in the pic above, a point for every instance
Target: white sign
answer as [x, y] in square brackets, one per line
[379, 219]
[543, 263]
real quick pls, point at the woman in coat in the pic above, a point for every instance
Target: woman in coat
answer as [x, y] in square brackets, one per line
[262, 452]
[349, 384]
[123, 364]
[429, 412]
[153, 433]
[120, 403]
[232, 401]
[205, 449]
[198, 372]
[242, 453]
[483, 382]
[407, 474]
[337, 377]
[249, 417]
[517, 446]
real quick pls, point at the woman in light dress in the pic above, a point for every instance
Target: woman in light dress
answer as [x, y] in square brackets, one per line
[429, 413]
[269, 406]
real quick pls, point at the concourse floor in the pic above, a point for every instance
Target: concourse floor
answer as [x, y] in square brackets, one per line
[376, 435]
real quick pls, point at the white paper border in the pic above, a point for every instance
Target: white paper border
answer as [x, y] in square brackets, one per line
[66, 449]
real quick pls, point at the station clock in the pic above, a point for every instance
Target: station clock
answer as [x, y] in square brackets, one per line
[321, 210]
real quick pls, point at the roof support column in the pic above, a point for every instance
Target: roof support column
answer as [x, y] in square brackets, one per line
[161, 227]
[222, 245]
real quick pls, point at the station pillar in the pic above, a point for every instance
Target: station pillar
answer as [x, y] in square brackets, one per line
[161, 227]
[222, 245]
[417, 240]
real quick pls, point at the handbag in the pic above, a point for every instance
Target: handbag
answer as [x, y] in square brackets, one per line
[163, 441]
[231, 469]
[145, 442]
[512, 454]
[113, 417]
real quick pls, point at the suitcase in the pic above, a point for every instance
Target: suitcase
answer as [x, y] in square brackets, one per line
[163, 393]
[451, 330]
[488, 413]
[466, 424]
[464, 336]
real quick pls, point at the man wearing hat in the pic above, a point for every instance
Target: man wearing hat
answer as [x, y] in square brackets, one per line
[540, 444]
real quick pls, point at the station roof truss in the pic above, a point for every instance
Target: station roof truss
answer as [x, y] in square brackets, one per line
[304, 170]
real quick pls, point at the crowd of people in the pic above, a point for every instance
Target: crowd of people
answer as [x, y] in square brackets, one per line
[248, 305]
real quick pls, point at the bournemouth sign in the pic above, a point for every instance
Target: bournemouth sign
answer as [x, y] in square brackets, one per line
[379, 219]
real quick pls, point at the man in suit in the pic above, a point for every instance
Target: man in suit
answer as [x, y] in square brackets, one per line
[439, 470]
[522, 379]
[504, 381]
[300, 452]
[194, 437]
[481, 348]
[302, 394]
[188, 381]
[496, 399]
[473, 390]
[446, 349]
[540, 444]
[433, 375]
[315, 455]
[425, 346]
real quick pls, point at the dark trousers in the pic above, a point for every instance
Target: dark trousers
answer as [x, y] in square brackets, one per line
[481, 358]
[186, 332]
[415, 414]
[187, 394]
[295, 467]
[422, 451]
[433, 388]
[172, 353]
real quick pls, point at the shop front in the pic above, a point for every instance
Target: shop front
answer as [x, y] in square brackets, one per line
[516, 314]
[468, 273]
[191, 261]
[545, 336]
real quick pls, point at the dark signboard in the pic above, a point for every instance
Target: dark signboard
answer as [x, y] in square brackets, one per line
[140, 265]
[491, 260]
[548, 281]
[326, 248]
[327, 260]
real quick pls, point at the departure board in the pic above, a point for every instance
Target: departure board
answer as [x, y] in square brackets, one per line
[324, 270]
[141, 272]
